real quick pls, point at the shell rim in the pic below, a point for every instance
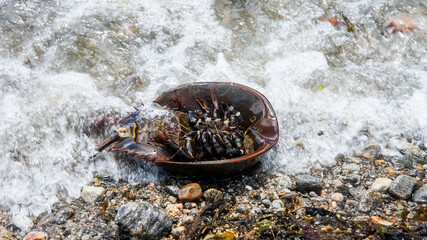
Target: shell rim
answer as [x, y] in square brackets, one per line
[265, 147]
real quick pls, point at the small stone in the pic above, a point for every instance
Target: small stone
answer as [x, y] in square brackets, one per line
[256, 211]
[23, 222]
[381, 185]
[174, 210]
[356, 160]
[140, 218]
[379, 162]
[407, 148]
[420, 196]
[211, 193]
[187, 219]
[249, 188]
[178, 231]
[352, 167]
[92, 194]
[420, 174]
[5, 234]
[190, 192]
[172, 199]
[151, 186]
[172, 190]
[353, 179]
[402, 187]
[369, 201]
[242, 208]
[36, 236]
[63, 215]
[371, 151]
[277, 204]
[87, 237]
[334, 204]
[312, 194]
[307, 183]
[337, 197]
[266, 203]
[282, 182]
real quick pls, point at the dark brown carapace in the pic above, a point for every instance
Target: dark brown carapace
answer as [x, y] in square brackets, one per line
[211, 128]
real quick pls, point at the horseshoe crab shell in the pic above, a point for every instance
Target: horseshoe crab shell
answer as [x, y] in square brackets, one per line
[257, 114]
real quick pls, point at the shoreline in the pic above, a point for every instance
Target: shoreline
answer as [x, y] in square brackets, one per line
[364, 196]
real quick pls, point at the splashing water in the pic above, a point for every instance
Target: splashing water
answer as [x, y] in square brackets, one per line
[68, 68]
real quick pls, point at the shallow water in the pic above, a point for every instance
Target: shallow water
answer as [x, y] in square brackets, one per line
[66, 66]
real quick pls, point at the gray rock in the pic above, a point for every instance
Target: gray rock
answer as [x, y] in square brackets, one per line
[142, 219]
[351, 167]
[266, 203]
[63, 215]
[172, 190]
[307, 183]
[369, 200]
[178, 231]
[381, 185]
[420, 174]
[256, 211]
[277, 204]
[407, 148]
[92, 194]
[420, 196]
[407, 161]
[22, 222]
[283, 181]
[242, 208]
[402, 187]
[371, 151]
[353, 179]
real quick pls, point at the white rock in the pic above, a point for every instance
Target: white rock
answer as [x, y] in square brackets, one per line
[381, 185]
[23, 222]
[178, 232]
[92, 194]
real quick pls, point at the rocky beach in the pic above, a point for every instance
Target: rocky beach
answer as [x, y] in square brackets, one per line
[368, 195]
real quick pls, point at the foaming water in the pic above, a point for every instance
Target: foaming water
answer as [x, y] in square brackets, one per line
[68, 69]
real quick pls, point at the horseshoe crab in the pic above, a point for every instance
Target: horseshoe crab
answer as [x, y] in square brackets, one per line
[214, 129]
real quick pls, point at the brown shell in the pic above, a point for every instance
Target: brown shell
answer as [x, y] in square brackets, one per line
[258, 117]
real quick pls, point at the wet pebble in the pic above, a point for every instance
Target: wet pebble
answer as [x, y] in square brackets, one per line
[92, 194]
[242, 208]
[381, 185]
[351, 167]
[190, 192]
[402, 187]
[371, 151]
[420, 196]
[172, 190]
[178, 231]
[36, 236]
[307, 183]
[174, 210]
[23, 222]
[140, 217]
[369, 200]
[63, 215]
[337, 197]
[266, 203]
[277, 205]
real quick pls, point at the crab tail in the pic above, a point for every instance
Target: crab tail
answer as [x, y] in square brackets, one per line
[147, 152]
